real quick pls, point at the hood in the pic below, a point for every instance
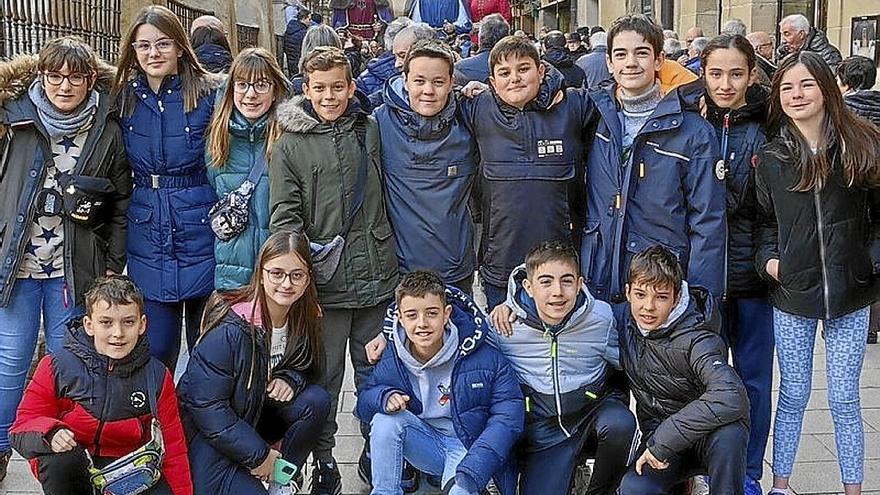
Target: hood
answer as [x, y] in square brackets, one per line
[82, 345]
[695, 310]
[755, 109]
[816, 41]
[297, 115]
[559, 57]
[470, 322]
[550, 93]
[525, 309]
[396, 97]
[446, 353]
[382, 67]
[17, 74]
[241, 127]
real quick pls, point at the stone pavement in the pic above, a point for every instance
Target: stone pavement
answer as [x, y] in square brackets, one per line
[815, 472]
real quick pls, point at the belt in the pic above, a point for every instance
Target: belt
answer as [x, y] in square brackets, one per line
[170, 181]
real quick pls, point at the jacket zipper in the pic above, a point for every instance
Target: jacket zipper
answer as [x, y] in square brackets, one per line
[820, 221]
[725, 135]
[103, 410]
[556, 396]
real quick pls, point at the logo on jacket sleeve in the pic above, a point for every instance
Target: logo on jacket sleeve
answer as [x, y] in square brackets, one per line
[138, 399]
[549, 147]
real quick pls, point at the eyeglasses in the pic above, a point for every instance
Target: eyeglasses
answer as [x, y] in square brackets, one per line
[57, 79]
[163, 45]
[297, 277]
[261, 87]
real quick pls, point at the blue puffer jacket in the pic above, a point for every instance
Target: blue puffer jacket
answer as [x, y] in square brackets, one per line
[429, 167]
[487, 405]
[530, 160]
[235, 258]
[666, 193]
[170, 242]
[373, 78]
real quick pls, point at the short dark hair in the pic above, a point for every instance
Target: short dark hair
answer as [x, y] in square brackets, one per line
[303, 14]
[515, 47]
[432, 48]
[640, 24]
[554, 39]
[420, 283]
[70, 50]
[325, 58]
[857, 72]
[115, 290]
[656, 266]
[493, 28]
[548, 251]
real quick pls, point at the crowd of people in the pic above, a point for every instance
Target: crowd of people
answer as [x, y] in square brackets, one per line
[647, 220]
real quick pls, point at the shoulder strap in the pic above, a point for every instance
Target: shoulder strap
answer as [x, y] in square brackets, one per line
[258, 169]
[360, 185]
[152, 392]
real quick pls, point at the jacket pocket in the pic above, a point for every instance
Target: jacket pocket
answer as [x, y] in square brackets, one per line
[505, 171]
[386, 251]
[139, 235]
[192, 235]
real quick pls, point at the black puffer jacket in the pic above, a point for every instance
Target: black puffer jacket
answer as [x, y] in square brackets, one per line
[679, 376]
[745, 135]
[816, 42]
[865, 103]
[826, 240]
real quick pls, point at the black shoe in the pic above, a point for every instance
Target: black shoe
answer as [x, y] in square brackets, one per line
[409, 478]
[4, 463]
[872, 336]
[326, 479]
[365, 466]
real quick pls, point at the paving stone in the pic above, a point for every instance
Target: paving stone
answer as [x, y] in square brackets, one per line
[810, 449]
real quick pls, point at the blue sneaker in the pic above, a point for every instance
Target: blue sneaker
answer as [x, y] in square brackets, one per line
[752, 487]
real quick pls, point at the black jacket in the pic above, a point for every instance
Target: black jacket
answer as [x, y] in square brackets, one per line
[865, 103]
[816, 42]
[26, 152]
[826, 240]
[214, 58]
[562, 60]
[679, 376]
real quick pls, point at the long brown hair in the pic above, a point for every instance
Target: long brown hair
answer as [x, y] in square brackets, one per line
[303, 320]
[195, 80]
[853, 140]
[250, 65]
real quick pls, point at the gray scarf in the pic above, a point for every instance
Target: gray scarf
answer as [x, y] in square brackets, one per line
[57, 123]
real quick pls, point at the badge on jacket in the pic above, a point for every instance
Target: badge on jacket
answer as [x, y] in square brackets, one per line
[549, 147]
[138, 399]
[720, 170]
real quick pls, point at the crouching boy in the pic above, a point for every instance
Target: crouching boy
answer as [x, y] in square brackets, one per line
[692, 407]
[441, 397]
[99, 396]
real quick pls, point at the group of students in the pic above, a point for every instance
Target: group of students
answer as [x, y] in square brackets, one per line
[709, 215]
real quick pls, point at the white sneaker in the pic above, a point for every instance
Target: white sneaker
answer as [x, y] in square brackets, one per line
[289, 489]
[700, 485]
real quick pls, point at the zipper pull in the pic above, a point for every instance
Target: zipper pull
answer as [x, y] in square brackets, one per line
[617, 200]
[528, 404]
[641, 170]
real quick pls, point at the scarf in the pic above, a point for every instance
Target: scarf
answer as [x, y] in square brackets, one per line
[635, 111]
[57, 123]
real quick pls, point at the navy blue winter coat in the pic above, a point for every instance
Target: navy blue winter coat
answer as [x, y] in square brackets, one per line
[429, 166]
[474, 68]
[666, 192]
[170, 242]
[373, 78]
[530, 159]
[214, 58]
[293, 42]
[487, 404]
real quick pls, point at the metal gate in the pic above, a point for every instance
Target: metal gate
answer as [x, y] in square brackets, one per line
[186, 13]
[28, 24]
[248, 36]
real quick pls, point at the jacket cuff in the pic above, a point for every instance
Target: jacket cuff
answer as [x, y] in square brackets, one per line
[467, 483]
[660, 452]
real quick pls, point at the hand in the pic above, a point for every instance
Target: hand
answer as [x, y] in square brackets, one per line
[264, 471]
[682, 59]
[375, 348]
[502, 318]
[704, 109]
[279, 390]
[474, 88]
[62, 441]
[397, 402]
[772, 269]
[109, 272]
[648, 457]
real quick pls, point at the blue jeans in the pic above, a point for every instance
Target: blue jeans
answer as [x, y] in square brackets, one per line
[844, 354]
[32, 300]
[164, 321]
[749, 331]
[402, 435]
[495, 295]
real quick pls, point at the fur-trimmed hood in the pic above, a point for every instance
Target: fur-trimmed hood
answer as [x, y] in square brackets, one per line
[297, 116]
[17, 74]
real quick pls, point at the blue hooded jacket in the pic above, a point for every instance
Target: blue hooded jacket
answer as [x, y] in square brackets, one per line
[373, 78]
[429, 166]
[487, 404]
[665, 192]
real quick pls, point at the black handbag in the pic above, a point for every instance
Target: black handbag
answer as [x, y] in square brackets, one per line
[229, 216]
[83, 197]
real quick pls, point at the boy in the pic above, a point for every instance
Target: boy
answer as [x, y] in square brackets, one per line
[563, 346]
[324, 181]
[692, 406]
[94, 396]
[652, 175]
[430, 161]
[441, 397]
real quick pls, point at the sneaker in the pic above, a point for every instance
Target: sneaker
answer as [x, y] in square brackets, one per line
[582, 475]
[434, 480]
[751, 487]
[365, 466]
[700, 485]
[326, 479]
[409, 479]
[288, 489]
[4, 463]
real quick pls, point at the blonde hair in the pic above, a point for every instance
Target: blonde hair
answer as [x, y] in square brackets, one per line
[250, 65]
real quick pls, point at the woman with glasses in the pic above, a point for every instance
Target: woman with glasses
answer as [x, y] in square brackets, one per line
[166, 99]
[251, 379]
[64, 189]
[240, 139]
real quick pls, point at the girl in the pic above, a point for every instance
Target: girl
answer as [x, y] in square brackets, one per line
[271, 324]
[57, 134]
[166, 100]
[737, 111]
[816, 188]
[240, 138]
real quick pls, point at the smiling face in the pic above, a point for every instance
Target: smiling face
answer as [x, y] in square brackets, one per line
[517, 80]
[254, 97]
[67, 96]
[428, 84]
[633, 63]
[285, 279]
[424, 320]
[650, 305]
[157, 53]
[800, 96]
[116, 329]
[329, 92]
[727, 77]
[554, 286]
